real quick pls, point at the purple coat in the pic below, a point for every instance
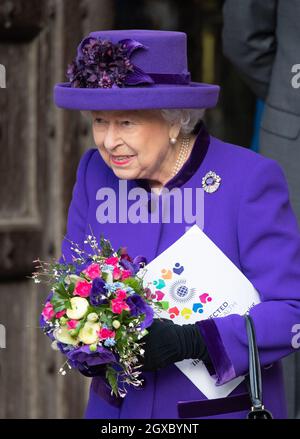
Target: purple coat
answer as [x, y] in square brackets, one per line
[250, 219]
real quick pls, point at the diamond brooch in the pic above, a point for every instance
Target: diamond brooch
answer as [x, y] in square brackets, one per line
[211, 182]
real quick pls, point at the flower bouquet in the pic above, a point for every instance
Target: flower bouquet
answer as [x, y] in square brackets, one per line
[97, 312]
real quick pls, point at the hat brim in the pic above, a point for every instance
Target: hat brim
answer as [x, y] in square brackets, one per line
[193, 95]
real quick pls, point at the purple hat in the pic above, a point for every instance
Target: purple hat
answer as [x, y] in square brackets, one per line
[132, 69]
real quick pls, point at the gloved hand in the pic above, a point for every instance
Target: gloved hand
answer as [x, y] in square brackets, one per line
[167, 343]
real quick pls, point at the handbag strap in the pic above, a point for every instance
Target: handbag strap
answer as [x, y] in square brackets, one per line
[254, 367]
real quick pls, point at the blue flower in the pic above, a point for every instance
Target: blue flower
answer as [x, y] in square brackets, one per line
[119, 285]
[107, 267]
[109, 342]
[129, 290]
[114, 286]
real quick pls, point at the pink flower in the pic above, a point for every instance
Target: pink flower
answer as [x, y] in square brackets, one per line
[48, 311]
[121, 294]
[59, 314]
[118, 305]
[71, 324]
[106, 333]
[83, 288]
[125, 274]
[117, 273]
[112, 261]
[93, 271]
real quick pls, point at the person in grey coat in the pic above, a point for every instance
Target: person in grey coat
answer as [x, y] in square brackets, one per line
[262, 39]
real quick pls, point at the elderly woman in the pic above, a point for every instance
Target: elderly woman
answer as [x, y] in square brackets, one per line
[146, 121]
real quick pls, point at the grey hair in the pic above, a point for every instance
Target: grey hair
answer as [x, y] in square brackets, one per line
[186, 117]
[86, 113]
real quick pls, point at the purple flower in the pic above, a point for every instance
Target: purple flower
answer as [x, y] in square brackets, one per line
[83, 356]
[134, 266]
[138, 306]
[102, 64]
[98, 292]
[129, 266]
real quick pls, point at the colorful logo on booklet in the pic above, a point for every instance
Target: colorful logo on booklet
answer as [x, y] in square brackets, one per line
[173, 287]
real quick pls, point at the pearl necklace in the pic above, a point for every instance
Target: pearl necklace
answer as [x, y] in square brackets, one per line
[183, 153]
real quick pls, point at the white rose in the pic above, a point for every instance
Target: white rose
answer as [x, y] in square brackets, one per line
[79, 306]
[63, 335]
[88, 334]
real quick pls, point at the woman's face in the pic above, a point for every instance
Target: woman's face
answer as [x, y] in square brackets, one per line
[135, 144]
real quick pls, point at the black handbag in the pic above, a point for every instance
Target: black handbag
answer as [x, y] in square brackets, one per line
[234, 403]
[254, 381]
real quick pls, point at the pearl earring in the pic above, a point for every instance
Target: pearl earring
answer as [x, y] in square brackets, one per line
[173, 140]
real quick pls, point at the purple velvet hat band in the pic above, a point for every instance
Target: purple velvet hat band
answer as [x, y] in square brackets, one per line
[112, 72]
[165, 78]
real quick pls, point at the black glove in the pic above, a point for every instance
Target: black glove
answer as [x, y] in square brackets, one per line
[167, 343]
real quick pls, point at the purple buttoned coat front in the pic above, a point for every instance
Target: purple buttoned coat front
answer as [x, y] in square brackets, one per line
[249, 217]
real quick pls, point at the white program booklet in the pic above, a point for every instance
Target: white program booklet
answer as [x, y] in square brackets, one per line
[195, 280]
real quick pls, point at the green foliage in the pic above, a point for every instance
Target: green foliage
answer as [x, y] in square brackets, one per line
[60, 303]
[120, 333]
[119, 252]
[70, 289]
[107, 318]
[135, 284]
[92, 308]
[104, 276]
[61, 290]
[111, 376]
[106, 248]
[61, 297]
[64, 268]
[162, 305]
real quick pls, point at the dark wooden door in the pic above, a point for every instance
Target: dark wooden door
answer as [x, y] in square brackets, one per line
[40, 147]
